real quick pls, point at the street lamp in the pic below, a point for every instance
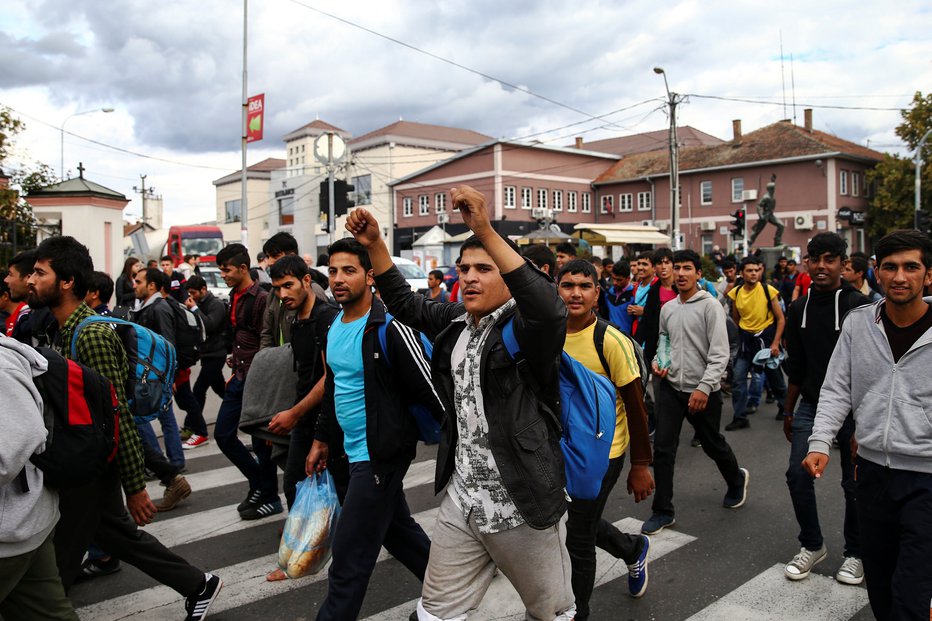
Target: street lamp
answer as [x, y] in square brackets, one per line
[918, 161]
[672, 100]
[61, 171]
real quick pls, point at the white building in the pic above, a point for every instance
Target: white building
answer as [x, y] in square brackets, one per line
[229, 193]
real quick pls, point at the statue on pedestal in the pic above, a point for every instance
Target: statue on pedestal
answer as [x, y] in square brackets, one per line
[765, 214]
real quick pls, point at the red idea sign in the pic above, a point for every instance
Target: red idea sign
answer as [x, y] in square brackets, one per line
[255, 111]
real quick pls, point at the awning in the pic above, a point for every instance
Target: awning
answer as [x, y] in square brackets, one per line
[621, 234]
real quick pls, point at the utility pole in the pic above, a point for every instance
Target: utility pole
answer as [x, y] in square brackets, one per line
[144, 192]
[244, 220]
[918, 160]
[673, 99]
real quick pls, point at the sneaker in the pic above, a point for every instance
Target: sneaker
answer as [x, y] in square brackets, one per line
[695, 442]
[738, 423]
[257, 512]
[176, 491]
[736, 497]
[637, 571]
[802, 563]
[194, 441]
[779, 415]
[656, 523]
[750, 409]
[95, 568]
[197, 605]
[851, 571]
[185, 433]
[252, 499]
[769, 399]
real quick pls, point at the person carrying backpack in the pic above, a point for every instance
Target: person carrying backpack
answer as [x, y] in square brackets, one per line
[30, 587]
[605, 351]
[499, 461]
[688, 368]
[96, 510]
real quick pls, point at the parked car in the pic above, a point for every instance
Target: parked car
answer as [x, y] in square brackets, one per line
[215, 284]
[412, 272]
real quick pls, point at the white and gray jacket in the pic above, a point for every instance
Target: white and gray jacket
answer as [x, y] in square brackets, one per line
[698, 342]
[891, 401]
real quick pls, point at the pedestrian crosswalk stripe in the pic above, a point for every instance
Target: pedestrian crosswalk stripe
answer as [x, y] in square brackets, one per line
[501, 601]
[769, 596]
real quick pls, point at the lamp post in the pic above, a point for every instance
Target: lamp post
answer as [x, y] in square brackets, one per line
[61, 171]
[672, 100]
[918, 160]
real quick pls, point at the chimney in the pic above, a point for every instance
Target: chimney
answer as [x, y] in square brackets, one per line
[807, 116]
[579, 141]
[736, 129]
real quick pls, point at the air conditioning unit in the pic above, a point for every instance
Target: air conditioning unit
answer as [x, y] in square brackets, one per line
[803, 222]
[443, 218]
[662, 225]
[647, 223]
[749, 195]
[538, 213]
[707, 226]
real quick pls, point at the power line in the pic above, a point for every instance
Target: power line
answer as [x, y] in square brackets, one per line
[807, 105]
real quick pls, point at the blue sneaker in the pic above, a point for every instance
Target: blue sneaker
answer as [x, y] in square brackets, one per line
[656, 523]
[637, 571]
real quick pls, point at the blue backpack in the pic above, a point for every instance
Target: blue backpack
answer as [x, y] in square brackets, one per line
[152, 366]
[428, 427]
[587, 416]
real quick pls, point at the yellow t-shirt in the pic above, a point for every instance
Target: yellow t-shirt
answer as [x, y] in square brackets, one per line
[623, 364]
[752, 307]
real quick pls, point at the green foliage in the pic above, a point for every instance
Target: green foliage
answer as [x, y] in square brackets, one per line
[9, 127]
[709, 270]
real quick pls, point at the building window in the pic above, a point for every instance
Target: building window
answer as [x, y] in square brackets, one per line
[855, 184]
[440, 202]
[571, 202]
[363, 192]
[526, 198]
[542, 199]
[510, 197]
[843, 183]
[644, 201]
[407, 207]
[705, 190]
[737, 189]
[607, 204]
[587, 202]
[233, 210]
[558, 200]
[423, 205]
[625, 202]
[286, 210]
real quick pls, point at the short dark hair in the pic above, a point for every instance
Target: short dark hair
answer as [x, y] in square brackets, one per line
[566, 248]
[474, 242]
[289, 265]
[234, 255]
[4, 288]
[579, 266]
[791, 261]
[831, 243]
[188, 257]
[645, 254]
[688, 256]
[750, 260]
[541, 255]
[102, 284]
[622, 268]
[195, 282]
[858, 253]
[24, 262]
[166, 258]
[728, 264]
[261, 257]
[905, 239]
[859, 264]
[597, 261]
[280, 243]
[70, 259]
[156, 277]
[437, 274]
[351, 246]
[607, 262]
[660, 254]
[323, 259]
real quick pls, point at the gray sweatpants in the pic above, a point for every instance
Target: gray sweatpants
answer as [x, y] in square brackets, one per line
[463, 561]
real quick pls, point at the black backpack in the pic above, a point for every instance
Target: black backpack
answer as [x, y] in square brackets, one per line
[189, 333]
[81, 414]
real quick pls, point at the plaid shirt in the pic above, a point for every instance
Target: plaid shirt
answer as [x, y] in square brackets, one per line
[100, 348]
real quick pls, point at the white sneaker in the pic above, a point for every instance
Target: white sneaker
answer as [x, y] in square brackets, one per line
[802, 563]
[851, 571]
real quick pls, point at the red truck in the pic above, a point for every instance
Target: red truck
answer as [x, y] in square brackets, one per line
[203, 240]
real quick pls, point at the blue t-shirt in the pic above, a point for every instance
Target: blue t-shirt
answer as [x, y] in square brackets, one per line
[344, 356]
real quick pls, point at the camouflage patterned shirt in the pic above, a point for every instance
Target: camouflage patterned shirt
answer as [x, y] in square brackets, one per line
[477, 486]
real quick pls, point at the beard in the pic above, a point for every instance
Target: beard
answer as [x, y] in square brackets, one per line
[47, 300]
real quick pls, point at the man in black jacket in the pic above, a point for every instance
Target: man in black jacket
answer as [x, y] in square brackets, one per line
[364, 421]
[813, 324]
[499, 457]
[212, 354]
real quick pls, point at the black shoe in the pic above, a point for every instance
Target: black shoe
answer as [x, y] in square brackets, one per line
[750, 409]
[197, 605]
[695, 442]
[738, 423]
[413, 616]
[257, 512]
[779, 416]
[769, 399]
[252, 499]
[95, 568]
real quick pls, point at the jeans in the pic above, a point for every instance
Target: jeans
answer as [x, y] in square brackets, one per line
[671, 410]
[756, 389]
[802, 489]
[259, 471]
[194, 411]
[739, 391]
[210, 376]
[169, 435]
[585, 529]
[895, 515]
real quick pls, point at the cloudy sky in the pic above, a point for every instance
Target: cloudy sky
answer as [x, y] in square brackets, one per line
[172, 71]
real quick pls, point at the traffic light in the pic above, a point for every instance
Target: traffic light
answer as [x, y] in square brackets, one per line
[737, 225]
[341, 199]
[324, 197]
[924, 222]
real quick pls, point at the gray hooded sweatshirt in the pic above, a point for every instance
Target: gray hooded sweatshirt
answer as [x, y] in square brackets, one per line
[26, 518]
[698, 342]
[892, 402]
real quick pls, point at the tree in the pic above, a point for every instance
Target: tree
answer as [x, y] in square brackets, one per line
[894, 178]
